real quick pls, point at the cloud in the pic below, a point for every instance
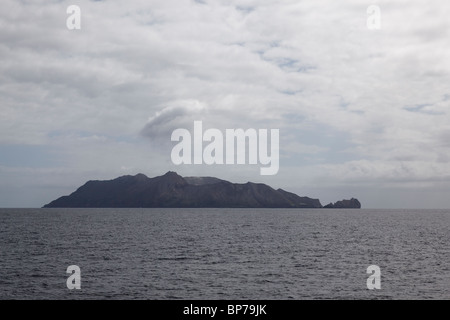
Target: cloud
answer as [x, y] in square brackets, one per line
[352, 104]
[178, 114]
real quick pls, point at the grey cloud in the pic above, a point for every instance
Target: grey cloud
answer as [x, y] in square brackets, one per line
[179, 114]
[287, 65]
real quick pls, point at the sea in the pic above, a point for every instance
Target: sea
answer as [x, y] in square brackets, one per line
[203, 254]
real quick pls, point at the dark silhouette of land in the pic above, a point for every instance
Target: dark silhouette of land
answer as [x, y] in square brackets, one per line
[173, 191]
[344, 204]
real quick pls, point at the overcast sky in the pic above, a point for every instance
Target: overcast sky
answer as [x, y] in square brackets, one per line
[362, 113]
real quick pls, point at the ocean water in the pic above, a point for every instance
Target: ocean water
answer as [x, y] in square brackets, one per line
[224, 253]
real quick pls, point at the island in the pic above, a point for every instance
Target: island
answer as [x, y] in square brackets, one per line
[174, 191]
[344, 204]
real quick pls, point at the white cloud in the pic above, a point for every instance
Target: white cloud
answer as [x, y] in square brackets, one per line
[310, 68]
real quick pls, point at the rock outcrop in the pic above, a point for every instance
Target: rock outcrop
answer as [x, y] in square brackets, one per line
[345, 204]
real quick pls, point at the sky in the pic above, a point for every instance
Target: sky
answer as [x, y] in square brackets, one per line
[361, 112]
